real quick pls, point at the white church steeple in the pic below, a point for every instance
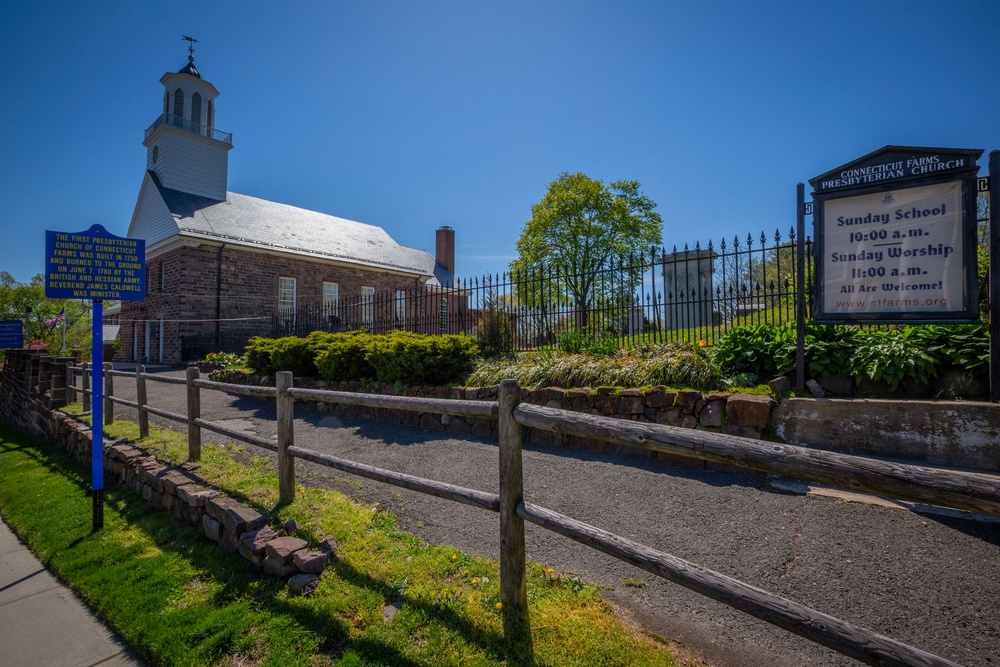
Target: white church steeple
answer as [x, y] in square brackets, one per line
[183, 148]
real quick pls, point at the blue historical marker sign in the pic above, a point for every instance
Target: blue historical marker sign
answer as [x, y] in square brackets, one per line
[11, 334]
[94, 264]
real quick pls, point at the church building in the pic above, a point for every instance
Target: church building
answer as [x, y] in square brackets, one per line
[222, 267]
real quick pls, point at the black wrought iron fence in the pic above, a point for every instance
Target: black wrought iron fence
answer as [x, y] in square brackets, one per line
[693, 294]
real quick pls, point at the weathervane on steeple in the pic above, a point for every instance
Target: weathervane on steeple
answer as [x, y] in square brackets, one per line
[191, 42]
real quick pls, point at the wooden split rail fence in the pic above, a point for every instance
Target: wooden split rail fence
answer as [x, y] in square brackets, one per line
[969, 492]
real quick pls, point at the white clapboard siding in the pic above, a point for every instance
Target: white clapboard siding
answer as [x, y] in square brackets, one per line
[151, 220]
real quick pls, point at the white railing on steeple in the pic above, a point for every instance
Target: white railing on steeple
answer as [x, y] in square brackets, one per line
[184, 124]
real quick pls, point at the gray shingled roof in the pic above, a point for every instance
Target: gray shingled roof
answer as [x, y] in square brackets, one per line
[260, 223]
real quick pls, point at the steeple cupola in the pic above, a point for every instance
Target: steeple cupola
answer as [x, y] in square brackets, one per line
[183, 147]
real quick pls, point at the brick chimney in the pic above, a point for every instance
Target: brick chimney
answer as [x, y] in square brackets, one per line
[445, 250]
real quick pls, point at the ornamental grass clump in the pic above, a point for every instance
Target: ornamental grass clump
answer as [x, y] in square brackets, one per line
[673, 364]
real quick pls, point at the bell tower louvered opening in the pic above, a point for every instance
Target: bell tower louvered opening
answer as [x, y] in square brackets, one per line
[196, 113]
[179, 108]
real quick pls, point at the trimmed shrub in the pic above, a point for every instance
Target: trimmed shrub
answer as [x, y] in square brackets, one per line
[294, 354]
[258, 353]
[421, 359]
[289, 353]
[344, 357]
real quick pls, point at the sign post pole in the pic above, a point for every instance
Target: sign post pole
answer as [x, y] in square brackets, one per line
[993, 299]
[800, 288]
[97, 417]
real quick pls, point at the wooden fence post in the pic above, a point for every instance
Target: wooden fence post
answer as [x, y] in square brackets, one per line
[85, 381]
[140, 398]
[513, 581]
[109, 391]
[193, 412]
[286, 437]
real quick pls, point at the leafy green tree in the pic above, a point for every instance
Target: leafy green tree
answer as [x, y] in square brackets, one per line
[573, 252]
[27, 301]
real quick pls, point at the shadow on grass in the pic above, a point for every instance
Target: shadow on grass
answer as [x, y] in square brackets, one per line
[238, 582]
[333, 630]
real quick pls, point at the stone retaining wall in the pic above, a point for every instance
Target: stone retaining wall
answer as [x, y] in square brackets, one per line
[745, 415]
[951, 433]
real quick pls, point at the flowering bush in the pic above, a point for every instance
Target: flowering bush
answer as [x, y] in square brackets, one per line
[224, 359]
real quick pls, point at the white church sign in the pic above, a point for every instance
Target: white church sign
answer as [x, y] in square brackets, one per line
[895, 238]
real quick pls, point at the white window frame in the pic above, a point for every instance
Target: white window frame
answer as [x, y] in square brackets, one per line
[367, 306]
[400, 308]
[331, 297]
[286, 288]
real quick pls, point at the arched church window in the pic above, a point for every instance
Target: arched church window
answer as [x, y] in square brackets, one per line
[156, 153]
[196, 113]
[179, 107]
[210, 120]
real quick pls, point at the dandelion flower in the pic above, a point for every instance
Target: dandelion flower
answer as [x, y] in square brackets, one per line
[475, 580]
[499, 605]
[549, 571]
[454, 557]
[702, 343]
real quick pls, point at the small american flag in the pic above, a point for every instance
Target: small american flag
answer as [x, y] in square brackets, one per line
[57, 319]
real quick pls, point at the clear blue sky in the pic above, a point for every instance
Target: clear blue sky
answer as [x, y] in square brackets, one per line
[419, 113]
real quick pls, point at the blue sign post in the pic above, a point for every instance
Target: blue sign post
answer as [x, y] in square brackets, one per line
[95, 265]
[11, 334]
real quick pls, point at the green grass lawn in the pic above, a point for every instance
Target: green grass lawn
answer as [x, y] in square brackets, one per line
[177, 600]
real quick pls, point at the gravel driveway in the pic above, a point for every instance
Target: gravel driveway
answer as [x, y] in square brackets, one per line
[929, 581]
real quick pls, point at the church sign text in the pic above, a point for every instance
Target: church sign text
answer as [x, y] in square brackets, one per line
[895, 238]
[94, 264]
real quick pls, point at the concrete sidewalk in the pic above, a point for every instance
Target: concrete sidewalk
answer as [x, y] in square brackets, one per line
[42, 622]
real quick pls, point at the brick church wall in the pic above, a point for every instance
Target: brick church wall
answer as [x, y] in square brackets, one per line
[181, 292]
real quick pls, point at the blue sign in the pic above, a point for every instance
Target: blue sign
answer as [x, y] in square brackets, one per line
[11, 334]
[94, 264]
